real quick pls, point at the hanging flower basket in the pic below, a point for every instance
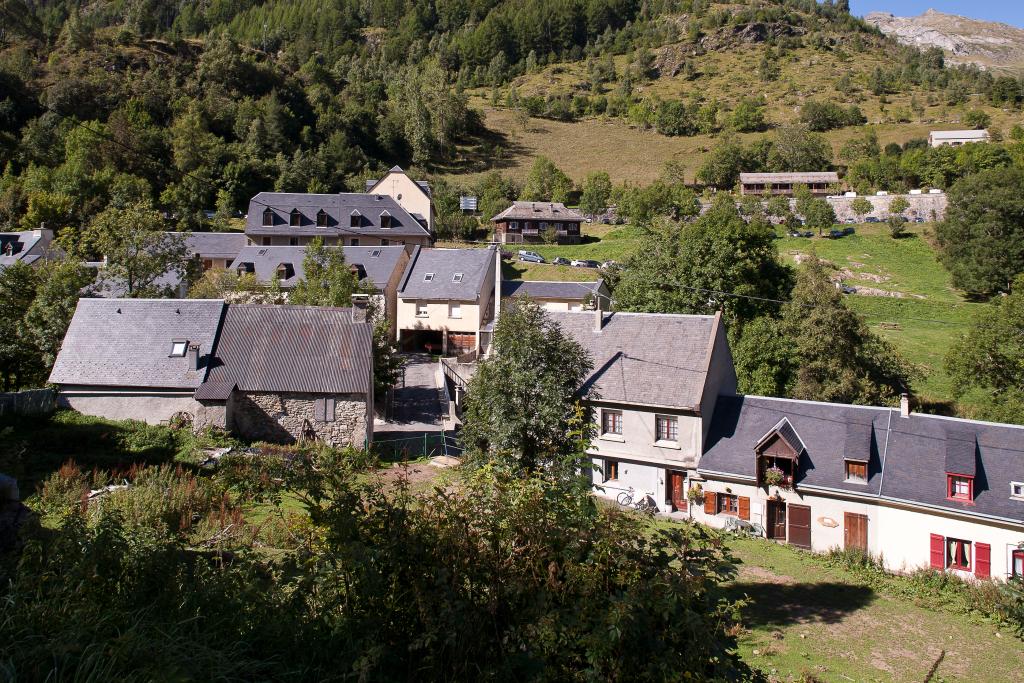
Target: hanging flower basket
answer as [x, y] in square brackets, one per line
[773, 476]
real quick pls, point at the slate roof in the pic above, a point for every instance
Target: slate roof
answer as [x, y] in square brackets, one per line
[539, 211]
[20, 244]
[474, 264]
[126, 342]
[644, 358]
[339, 208]
[911, 450]
[807, 177]
[215, 244]
[265, 261]
[545, 289]
[303, 349]
[959, 134]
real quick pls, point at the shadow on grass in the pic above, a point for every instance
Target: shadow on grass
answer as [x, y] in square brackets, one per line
[35, 447]
[776, 605]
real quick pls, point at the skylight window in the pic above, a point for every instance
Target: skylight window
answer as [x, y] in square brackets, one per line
[178, 348]
[428, 277]
[457, 277]
[375, 253]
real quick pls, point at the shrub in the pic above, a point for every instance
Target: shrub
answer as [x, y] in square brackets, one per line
[63, 491]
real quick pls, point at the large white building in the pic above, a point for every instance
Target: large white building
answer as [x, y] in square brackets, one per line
[955, 138]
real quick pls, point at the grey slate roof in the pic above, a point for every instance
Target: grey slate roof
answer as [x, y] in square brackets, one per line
[265, 261]
[807, 177]
[644, 358]
[912, 450]
[539, 211]
[959, 134]
[339, 209]
[20, 243]
[126, 342]
[544, 289]
[474, 264]
[215, 244]
[303, 349]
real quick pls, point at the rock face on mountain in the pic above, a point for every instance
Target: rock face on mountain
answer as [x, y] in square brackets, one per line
[988, 44]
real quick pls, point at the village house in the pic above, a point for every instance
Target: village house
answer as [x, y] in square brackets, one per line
[533, 222]
[653, 390]
[759, 184]
[276, 373]
[214, 249]
[446, 302]
[955, 138]
[558, 296]
[27, 246]
[914, 490]
[379, 268]
[414, 195]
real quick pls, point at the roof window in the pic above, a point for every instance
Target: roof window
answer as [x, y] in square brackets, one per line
[428, 277]
[457, 277]
[178, 348]
[375, 253]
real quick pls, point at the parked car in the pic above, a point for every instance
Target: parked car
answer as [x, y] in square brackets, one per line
[835, 234]
[848, 231]
[530, 257]
[561, 261]
[585, 263]
[872, 219]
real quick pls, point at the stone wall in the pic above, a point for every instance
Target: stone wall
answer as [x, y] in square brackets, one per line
[923, 205]
[284, 418]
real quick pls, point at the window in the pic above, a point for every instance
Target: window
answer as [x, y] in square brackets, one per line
[457, 277]
[856, 472]
[267, 241]
[1017, 563]
[385, 221]
[428, 277]
[178, 348]
[454, 310]
[958, 554]
[667, 427]
[354, 242]
[355, 220]
[293, 241]
[421, 309]
[611, 422]
[375, 253]
[611, 470]
[268, 217]
[323, 410]
[295, 220]
[384, 243]
[960, 487]
[728, 504]
[321, 219]
[285, 271]
[1017, 489]
[513, 225]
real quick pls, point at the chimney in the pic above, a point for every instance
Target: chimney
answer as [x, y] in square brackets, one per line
[193, 356]
[360, 308]
[904, 405]
[598, 314]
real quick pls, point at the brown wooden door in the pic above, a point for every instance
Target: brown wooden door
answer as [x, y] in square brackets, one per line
[776, 523]
[855, 530]
[800, 525]
[675, 482]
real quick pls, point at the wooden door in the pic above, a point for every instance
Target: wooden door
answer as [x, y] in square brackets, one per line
[800, 525]
[855, 530]
[675, 482]
[775, 526]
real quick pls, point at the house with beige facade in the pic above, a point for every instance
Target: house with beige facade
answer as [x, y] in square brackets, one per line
[414, 195]
[446, 302]
[274, 373]
[653, 391]
[558, 296]
[914, 490]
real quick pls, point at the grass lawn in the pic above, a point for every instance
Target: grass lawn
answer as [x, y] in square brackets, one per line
[808, 619]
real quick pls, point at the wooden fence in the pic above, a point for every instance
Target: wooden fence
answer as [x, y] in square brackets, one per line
[31, 402]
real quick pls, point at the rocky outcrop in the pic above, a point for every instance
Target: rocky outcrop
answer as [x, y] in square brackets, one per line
[988, 44]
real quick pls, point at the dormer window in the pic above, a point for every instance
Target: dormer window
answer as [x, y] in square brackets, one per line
[295, 218]
[385, 220]
[960, 487]
[428, 277]
[268, 217]
[178, 348]
[457, 278]
[246, 267]
[961, 465]
[355, 220]
[285, 271]
[321, 219]
[778, 455]
[856, 472]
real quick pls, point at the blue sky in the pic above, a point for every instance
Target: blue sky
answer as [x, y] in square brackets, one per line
[1006, 11]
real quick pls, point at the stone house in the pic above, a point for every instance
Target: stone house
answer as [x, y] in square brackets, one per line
[276, 373]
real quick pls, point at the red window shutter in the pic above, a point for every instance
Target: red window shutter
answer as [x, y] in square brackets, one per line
[982, 560]
[709, 503]
[938, 552]
[744, 508]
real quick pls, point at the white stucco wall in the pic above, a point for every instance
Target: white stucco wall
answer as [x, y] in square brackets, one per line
[645, 478]
[901, 537]
[408, 194]
[152, 406]
[638, 438]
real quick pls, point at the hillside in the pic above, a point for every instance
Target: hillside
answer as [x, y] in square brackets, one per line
[988, 44]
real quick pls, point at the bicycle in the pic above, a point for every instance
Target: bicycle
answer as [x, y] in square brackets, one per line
[625, 499]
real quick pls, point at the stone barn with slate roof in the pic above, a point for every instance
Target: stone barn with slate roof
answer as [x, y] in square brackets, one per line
[916, 490]
[273, 373]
